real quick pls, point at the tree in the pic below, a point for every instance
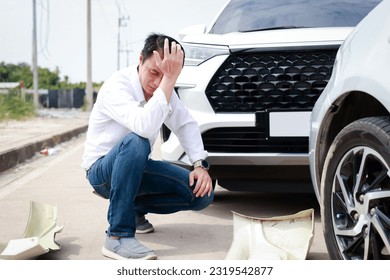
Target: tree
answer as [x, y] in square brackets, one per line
[22, 72]
[47, 79]
[19, 72]
[3, 72]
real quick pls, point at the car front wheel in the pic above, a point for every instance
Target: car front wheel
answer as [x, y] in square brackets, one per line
[355, 191]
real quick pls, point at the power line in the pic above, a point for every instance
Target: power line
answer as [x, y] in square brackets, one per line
[44, 49]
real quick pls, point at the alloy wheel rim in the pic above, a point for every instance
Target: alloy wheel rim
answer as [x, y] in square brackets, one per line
[361, 205]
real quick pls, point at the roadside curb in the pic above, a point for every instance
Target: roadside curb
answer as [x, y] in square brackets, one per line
[13, 157]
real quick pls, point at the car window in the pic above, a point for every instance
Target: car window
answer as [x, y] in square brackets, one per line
[252, 15]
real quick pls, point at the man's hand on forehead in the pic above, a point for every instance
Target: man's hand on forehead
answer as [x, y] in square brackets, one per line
[172, 62]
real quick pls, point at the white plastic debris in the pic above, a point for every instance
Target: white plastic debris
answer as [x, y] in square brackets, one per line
[278, 238]
[49, 151]
[39, 236]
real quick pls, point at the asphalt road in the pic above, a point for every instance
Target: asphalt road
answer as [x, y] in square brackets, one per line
[207, 234]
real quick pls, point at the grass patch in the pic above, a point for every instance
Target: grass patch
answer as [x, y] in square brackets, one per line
[13, 106]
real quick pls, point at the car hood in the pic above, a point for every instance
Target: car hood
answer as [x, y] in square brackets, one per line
[304, 36]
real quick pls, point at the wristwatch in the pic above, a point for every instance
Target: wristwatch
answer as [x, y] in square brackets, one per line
[202, 163]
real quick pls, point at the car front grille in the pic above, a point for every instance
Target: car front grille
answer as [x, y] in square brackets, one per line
[251, 82]
[250, 140]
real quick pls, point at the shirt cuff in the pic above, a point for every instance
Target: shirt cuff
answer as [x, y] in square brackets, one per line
[200, 155]
[162, 100]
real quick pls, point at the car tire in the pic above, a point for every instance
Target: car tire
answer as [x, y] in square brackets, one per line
[355, 191]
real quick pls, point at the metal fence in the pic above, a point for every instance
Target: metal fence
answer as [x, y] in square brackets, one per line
[73, 98]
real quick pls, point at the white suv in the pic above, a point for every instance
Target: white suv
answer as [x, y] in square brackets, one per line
[251, 81]
[350, 144]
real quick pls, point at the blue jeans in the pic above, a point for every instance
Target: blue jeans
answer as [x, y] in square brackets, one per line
[135, 184]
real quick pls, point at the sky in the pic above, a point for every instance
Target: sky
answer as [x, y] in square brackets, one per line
[62, 31]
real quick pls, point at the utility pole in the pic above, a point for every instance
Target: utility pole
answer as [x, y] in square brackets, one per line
[89, 98]
[122, 24]
[123, 18]
[35, 57]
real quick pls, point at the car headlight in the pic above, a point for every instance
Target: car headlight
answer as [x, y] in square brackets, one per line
[197, 54]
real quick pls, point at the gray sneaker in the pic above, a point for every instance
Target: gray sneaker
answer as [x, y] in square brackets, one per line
[127, 248]
[142, 225]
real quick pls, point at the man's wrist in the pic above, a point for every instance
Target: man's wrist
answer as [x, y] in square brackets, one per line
[202, 163]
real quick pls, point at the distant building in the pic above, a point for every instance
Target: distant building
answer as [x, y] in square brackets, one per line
[6, 87]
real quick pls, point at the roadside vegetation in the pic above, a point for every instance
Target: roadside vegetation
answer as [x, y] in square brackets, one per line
[14, 106]
[17, 105]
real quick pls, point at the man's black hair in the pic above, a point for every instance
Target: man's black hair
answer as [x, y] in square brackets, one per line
[155, 42]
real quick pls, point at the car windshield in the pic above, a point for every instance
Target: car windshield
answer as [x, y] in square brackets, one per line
[254, 15]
